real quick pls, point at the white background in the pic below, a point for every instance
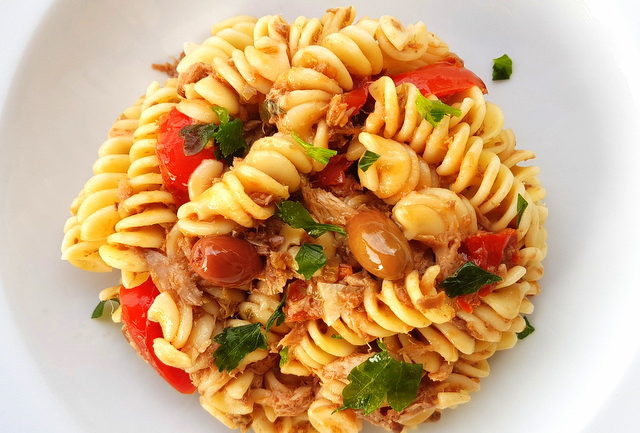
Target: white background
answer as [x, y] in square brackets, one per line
[27, 403]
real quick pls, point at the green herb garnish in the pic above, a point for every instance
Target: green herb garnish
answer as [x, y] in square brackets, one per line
[521, 207]
[99, 310]
[337, 337]
[382, 378]
[236, 343]
[367, 160]
[320, 154]
[310, 258]
[228, 135]
[278, 315]
[284, 356]
[433, 110]
[527, 330]
[469, 278]
[502, 68]
[294, 214]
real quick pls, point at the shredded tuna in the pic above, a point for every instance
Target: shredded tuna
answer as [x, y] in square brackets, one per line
[429, 302]
[277, 271]
[444, 371]
[264, 365]
[340, 368]
[326, 207]
[294, 336]
[193, 74]
[339, 112]
[289, 402]
[174, 274]
[168, 68]
[303, 302]
[353, 295]
[262, 198]
[331, 303]
[447, 257]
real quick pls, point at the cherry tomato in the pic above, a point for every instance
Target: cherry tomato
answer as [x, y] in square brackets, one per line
[225, 261]
[135, 304]
[441, 79]
[334, 174]
[175, 166]
[489, 250]
[378, 245]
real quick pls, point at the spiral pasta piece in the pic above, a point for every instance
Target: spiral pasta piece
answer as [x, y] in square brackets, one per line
[397, 171]
[94, 211]
[149, 208]
[404, 48]
[435, 216]
[227, 36]
[271, 169]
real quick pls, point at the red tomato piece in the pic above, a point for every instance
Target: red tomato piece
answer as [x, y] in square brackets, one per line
[489, 250]
[441, 79]
[464, 304]
[356, 98]
[344, 271]
[135, 304]
[175, 166]
[334, 174]
[299, 306]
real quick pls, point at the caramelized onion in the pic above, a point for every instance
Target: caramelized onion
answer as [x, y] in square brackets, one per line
[378, 245]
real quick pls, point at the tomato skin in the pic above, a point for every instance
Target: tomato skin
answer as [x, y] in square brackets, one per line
[441, 79]
[356, 98]
[297, 293]
[334, 173]
[135, 304]
[489, 250]
[225, 260]
[175, 166]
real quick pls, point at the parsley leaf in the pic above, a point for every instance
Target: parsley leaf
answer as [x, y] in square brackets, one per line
[367, 160]
[229, 135]
[381, 378]
[310, 258]
[284, 356]
[469, 278]
[434, 111]
[528, 330]
[236, 343]
[521, 207]
[337, 337]
[294, 214]
[320, 154]
[98, 312]
[196, 137]
[502, 68]
[278, 315]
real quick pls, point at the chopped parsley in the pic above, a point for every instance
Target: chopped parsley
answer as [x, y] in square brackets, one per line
[277, 317]
[528, 330]
[310, 258]
[382, 378]
[367, 160]
[337, 337]
[98, 312]
[521, 207]
[228, 136]
[294, 214]
[502, 68]
[469, 278]
[434, 110]
[320, 154]
[284, 356]
[236, 343]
